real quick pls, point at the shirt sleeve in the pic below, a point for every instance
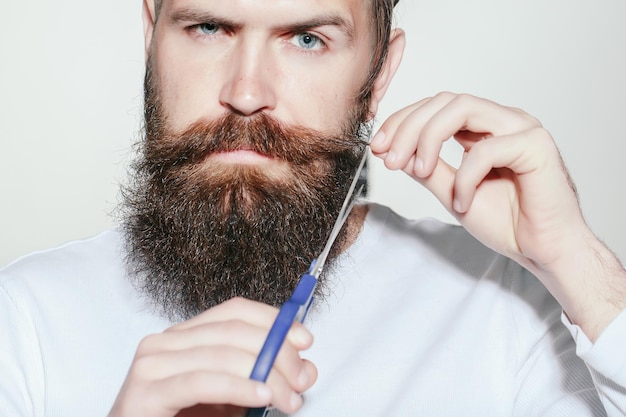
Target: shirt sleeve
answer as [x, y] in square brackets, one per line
[21, 381]
[606, 360]
[551, 379]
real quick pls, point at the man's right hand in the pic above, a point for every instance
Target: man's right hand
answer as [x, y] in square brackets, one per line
[206, 362]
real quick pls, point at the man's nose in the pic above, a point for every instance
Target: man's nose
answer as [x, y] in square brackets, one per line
[249, 86]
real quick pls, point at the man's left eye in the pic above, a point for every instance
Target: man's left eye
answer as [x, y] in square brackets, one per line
[307, 41]
[208, 28]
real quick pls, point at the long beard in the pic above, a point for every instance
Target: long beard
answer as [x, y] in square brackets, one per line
[199, 232]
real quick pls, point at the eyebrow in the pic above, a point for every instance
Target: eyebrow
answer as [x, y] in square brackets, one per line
[332, 20]
[194, 15]
[338, 22]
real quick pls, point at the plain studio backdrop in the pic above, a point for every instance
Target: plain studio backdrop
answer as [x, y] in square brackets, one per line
[71, 76]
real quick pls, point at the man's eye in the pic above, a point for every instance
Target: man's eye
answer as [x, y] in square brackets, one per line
[208, 28]
[307, 41]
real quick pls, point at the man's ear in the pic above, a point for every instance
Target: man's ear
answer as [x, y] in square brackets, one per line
[394, 57]
[149, 20]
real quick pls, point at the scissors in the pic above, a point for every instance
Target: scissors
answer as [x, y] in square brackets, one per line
[298, 304]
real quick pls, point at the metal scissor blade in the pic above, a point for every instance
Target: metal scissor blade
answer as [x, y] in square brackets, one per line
[346, 207]
[298, 305]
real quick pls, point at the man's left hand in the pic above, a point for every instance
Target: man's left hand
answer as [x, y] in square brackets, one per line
[511, 191]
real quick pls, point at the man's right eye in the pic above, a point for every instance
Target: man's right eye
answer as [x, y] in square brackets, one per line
[208, 28]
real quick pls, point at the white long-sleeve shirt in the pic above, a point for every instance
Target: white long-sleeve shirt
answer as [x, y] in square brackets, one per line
[420, 319]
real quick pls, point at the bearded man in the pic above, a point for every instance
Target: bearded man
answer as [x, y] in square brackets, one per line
[256, 116]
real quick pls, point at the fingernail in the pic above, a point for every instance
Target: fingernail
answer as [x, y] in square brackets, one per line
[300, 335]
[391, 157]
[296, 400]
[264, 392]
[303, 378]
[457, 206]
[419, 165]
[378, 138]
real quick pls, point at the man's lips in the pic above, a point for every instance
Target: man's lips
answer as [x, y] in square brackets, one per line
[275, 168]
[242, 156]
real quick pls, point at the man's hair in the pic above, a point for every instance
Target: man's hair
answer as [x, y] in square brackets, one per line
[381, 19]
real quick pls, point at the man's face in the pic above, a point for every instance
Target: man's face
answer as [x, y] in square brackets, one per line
[300, 61]
[253, 132]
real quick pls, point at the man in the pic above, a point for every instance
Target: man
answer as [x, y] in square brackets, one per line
[255, 119]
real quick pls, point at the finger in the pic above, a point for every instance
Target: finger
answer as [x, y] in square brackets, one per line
[191, 347]
[236, 333]
[222, 360]
[403, 152]
[286, 397]
[186, 390]
[234, 309]
[522, 154]
[253, 312]
[405, 132]
[467, 113]
[477, 165]
[382, 140]
[441, 183]
[456, 188]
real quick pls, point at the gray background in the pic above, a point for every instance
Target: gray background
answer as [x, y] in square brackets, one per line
[70, 102]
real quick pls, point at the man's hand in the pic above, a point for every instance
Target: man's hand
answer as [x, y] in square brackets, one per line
[512, 192]
[204, 364]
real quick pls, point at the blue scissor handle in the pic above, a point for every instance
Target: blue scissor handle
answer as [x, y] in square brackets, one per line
[294, 309]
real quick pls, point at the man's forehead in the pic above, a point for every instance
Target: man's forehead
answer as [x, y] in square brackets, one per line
[351, 16]
[311, 5]
[363, 2]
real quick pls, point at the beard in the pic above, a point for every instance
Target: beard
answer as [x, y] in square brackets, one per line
[199, 231]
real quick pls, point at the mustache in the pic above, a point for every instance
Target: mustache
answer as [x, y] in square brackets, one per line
[261, 133]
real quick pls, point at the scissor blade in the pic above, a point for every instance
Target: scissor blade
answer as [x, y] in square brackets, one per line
[298, 305]
[346, 207]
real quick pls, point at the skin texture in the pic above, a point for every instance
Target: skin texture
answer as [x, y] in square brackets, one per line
[511, 191]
